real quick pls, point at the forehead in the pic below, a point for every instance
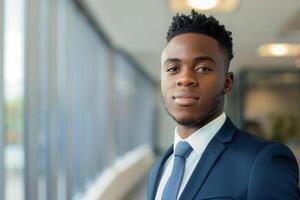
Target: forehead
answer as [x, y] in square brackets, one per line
[192, 45]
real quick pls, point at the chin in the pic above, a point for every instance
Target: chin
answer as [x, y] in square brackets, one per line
[189, 123]
[186, 121]
[192, 120]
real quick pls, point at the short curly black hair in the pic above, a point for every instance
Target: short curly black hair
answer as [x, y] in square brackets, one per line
[199, 23]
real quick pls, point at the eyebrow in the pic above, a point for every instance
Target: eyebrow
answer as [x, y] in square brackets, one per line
[196, 59]
[172, 60]
[204, 58]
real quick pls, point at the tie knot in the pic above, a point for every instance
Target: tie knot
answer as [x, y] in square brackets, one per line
[183, 149]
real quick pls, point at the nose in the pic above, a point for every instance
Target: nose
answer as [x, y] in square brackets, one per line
[187, 79]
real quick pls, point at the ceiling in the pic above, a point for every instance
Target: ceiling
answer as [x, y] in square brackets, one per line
[140, 26]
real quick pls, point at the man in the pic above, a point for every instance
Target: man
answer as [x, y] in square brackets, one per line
[213, 159]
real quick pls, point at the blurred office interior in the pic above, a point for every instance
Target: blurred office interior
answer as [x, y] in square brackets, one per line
[80, 109]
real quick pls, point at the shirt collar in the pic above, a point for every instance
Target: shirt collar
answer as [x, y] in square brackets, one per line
[200, 139]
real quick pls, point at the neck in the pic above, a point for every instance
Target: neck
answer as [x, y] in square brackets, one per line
[186, 131]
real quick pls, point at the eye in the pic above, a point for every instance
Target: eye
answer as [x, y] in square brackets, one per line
[203, 68]
[172, 69]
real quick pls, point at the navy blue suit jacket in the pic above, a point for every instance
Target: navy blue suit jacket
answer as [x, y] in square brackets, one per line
[237, 165]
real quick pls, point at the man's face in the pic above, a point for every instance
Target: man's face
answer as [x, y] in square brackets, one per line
[194, 79]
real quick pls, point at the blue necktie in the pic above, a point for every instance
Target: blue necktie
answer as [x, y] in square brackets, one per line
[182, 151]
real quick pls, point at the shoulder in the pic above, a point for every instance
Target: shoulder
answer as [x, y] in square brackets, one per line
[276, 150]
[273, 169]
[261, 147]
[248, 145]
[275, 157]
[261, 153]
[241, 143]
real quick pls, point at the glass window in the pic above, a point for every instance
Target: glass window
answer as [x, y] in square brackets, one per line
[125, 90]
[134, 101]
[14, 98]
[84, 101]
[86, 104]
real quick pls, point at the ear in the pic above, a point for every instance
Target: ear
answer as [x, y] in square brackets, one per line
[228, 83]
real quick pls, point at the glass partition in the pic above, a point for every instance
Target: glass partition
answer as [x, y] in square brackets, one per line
[13, 71]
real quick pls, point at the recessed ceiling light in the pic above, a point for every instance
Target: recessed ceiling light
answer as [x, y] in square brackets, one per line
[203, 4]
[279, 50]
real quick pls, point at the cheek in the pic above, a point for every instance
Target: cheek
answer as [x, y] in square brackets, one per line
[166, 86]
[217, 83]
[163, 89]
[211, 87]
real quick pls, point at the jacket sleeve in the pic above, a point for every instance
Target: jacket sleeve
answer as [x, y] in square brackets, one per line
[274, 174]
[149, 183]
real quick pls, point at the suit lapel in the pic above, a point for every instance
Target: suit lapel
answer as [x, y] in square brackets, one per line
[211, 154]
[156, 173]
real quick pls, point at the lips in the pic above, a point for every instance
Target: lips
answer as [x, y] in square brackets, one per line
[185, 99]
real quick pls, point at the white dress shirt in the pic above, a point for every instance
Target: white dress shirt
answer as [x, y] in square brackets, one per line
[198, 141]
